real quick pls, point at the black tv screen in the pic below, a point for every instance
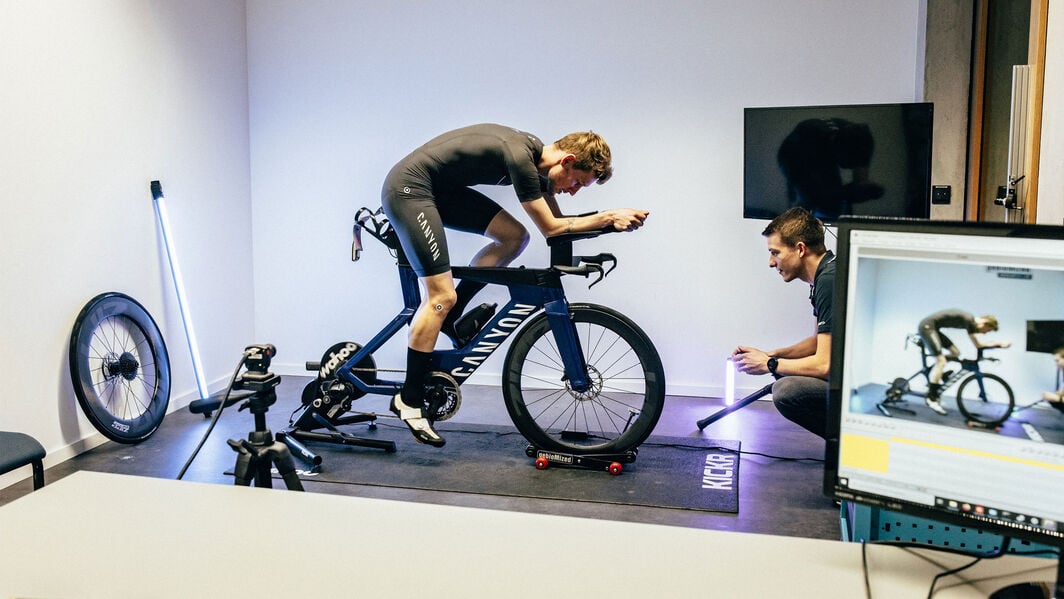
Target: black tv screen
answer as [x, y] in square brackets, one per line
[861, 159]
[1046, 336]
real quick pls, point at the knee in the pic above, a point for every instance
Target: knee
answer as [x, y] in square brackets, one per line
[781, 393]
[441, 301]
[514, 241]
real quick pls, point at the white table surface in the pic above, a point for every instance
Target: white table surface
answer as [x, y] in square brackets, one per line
[106, 535]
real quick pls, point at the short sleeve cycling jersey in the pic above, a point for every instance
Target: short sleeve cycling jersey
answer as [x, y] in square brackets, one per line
[485, 154]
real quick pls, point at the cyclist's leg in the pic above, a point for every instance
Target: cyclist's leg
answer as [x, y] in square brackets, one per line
[468, 210]
[424, 329]
[804, 401]
[933, 346]
[419, 228]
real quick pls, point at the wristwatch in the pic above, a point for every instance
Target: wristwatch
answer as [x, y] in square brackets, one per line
[773, 363]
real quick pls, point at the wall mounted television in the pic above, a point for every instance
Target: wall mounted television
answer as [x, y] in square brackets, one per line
[860, 159]
[891, 273]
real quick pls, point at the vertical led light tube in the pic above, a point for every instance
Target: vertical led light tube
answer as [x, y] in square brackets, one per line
[729, 382]
[179, 286]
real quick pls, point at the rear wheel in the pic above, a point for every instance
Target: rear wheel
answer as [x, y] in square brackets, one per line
[120, 368]
[616, 413]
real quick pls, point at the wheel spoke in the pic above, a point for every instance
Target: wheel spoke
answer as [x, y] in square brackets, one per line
[615, 412]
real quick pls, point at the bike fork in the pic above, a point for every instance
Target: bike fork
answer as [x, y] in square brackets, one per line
[572, 354]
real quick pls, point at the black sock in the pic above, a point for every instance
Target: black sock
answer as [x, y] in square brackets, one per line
[417, 371]
[465, 290]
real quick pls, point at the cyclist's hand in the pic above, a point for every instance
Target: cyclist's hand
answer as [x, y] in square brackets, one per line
[628, 219]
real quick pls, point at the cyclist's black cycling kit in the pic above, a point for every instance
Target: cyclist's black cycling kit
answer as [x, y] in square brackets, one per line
[931, 329]
[431, 188]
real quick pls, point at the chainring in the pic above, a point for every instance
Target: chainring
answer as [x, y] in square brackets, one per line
[442, 396]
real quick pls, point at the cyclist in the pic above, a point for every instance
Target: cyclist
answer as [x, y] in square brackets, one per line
[796, 250]
[1056, 398]
[940, 346]
[432, 188]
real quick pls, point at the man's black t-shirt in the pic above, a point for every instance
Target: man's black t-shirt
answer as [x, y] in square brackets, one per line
[822, 292]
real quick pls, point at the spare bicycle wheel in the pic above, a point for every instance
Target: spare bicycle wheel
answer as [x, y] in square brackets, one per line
[120, 368]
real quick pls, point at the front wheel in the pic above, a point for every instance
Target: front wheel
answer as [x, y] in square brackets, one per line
[990, 402]
[619, 409]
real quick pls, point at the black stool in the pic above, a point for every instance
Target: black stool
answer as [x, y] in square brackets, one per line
[18, 450]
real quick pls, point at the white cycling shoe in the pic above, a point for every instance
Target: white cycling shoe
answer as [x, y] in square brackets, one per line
[935, 406]
[416, 421]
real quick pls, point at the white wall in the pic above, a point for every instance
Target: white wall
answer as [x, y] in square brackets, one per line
[341, 91]
[98, 99]
[1051, 162]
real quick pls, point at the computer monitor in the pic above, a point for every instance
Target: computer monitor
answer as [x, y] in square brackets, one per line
[886, 447]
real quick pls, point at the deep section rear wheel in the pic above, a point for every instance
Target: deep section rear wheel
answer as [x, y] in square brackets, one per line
[120, 368]
[989, 404]
[615, 414]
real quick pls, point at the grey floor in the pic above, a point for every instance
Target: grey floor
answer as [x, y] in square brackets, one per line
[780, 469]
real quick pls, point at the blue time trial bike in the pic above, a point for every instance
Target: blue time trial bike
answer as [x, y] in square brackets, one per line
[578, 379]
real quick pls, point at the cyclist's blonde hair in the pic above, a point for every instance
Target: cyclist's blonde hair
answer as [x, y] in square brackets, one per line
[591, 151]
[991, 322]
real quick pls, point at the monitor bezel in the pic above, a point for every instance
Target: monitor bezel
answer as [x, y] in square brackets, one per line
[844, 229]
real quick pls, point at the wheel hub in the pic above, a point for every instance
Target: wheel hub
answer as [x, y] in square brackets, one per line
[125, 366]
[594, 385]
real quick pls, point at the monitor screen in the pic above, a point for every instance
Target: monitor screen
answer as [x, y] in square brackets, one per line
[994, 459]
[864, 159]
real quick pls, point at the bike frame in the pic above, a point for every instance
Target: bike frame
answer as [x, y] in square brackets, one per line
[530, 289]
[970, 366]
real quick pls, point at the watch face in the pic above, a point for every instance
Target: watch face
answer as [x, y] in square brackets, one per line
[772, 363]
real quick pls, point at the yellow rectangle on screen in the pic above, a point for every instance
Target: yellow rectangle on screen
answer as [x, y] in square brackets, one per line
[865, 453]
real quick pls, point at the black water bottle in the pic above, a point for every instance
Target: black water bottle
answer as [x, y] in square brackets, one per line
[471, 322]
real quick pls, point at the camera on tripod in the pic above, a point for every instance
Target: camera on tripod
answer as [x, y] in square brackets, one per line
[258, 377]
[257, 361]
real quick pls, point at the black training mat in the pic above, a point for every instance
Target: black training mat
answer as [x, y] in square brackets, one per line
[669, 472]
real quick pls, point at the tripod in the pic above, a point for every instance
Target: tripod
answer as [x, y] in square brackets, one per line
[260, 451]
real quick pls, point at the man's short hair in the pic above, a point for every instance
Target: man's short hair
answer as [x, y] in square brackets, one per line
[991, 322]
[798, 225]
[591, 151]
[1060, 351]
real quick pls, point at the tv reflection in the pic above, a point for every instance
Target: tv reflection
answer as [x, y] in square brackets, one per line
[813, 157]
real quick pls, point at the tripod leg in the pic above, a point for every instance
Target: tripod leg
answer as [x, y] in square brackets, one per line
[286, 466]
[742, 403]
[243, 463]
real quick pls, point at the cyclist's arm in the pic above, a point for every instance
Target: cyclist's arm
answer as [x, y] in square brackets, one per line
[548, 219]
[976, 341]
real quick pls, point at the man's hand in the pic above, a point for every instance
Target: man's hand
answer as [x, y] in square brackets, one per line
[627, 219]
[750, 360]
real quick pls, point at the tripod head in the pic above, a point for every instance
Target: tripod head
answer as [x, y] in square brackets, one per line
[258, 379]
